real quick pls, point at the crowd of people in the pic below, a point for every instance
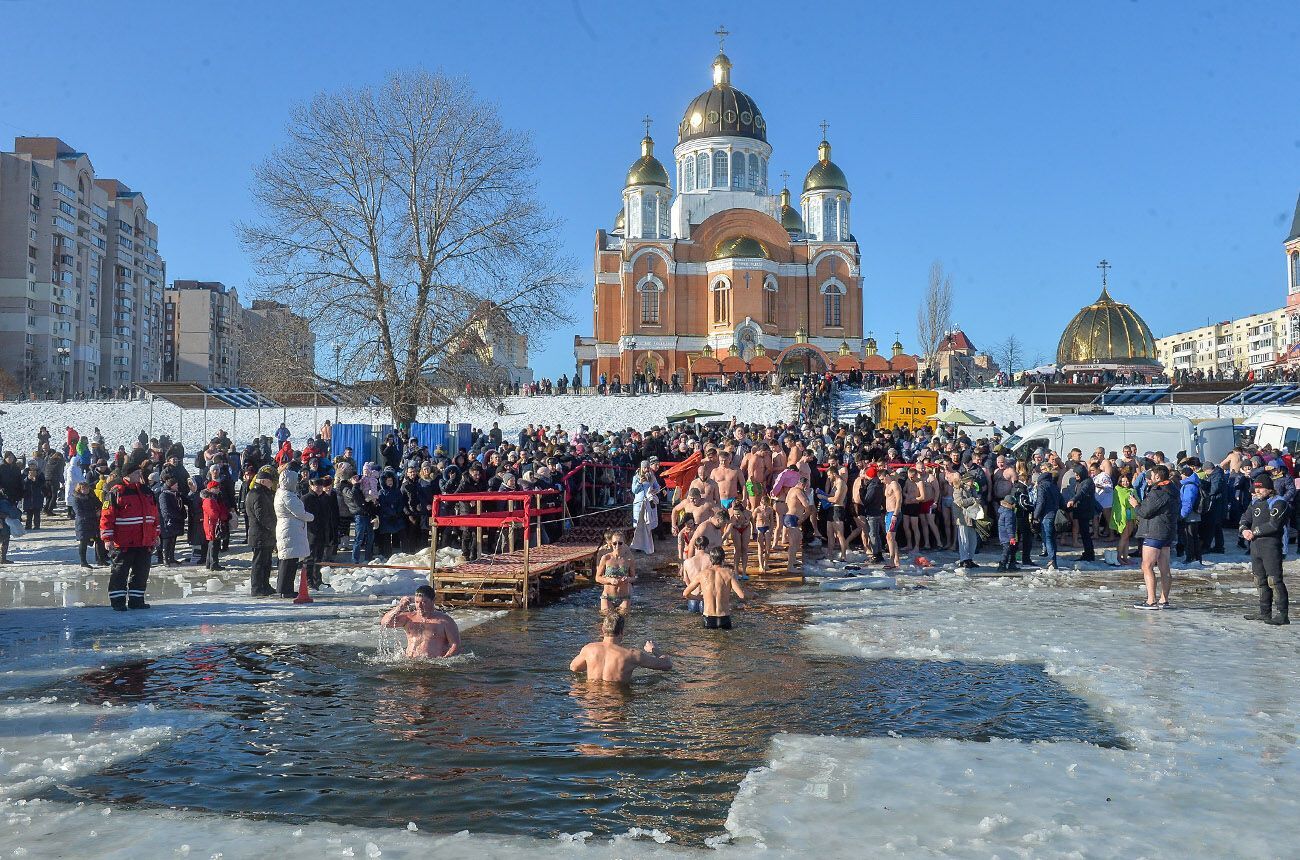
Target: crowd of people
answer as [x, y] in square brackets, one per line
[761, 488]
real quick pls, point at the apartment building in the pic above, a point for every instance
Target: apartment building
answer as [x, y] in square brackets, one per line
[202, 324]
[80, 274]
[270, 322]
[1255, 342]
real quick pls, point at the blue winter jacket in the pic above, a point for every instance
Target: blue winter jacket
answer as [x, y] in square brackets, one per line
[1006, 524]
[1189, 493]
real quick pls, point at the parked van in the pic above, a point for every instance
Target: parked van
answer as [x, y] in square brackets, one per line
[1278, 427]
[1209, 440]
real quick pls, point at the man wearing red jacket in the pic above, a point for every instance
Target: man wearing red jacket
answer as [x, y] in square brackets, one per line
[129, 527]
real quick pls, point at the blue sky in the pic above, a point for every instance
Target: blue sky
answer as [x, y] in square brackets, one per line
[1018, 143]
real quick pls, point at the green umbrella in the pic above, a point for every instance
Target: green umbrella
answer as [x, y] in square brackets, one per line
[958, 416]
[691, 414]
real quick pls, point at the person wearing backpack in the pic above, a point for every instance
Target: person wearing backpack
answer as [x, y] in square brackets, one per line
[1189, 513]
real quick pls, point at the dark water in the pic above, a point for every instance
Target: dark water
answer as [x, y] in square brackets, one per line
[508, 741]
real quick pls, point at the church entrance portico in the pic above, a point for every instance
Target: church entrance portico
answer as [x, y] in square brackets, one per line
[802, 358]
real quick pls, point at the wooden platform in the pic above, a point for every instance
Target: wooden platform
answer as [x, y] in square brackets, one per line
[499, 581]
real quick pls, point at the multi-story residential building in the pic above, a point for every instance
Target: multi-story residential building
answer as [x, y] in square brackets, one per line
[1251, 343]
[80, 275]
[202, 321]
[269, 322]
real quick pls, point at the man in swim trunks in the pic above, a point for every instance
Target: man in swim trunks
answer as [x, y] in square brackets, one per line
[756, 468]
[893, 514]
[796, 509]
[608, 660]
[695, 505]
[691, 568]
[715, 585]
[727, 479]
[430, 632]
[716, 528]
[708, 489]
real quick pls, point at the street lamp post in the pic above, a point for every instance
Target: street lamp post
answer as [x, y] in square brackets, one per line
[64, 355]
[631, 346]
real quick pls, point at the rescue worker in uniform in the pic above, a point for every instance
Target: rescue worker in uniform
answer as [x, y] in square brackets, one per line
[129, 527]
[1262, 524]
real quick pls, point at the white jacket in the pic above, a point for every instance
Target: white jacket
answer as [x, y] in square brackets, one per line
[291, 519]
[73, 474]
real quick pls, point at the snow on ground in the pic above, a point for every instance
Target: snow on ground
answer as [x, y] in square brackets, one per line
[1000, 406]
[121, 421]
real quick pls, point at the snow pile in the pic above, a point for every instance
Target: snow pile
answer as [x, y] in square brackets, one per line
[385, 582]
[121, 421]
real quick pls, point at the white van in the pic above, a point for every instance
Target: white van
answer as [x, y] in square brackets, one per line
[1209, 440]
[1278, 427]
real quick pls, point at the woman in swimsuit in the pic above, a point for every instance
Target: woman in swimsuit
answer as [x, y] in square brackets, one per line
[740, 526]
[616, 571]
[764, 521]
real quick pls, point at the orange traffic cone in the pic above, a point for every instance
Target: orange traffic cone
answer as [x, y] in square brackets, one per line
[303, 596]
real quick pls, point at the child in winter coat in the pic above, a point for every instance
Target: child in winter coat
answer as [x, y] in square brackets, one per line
[370, 482]
[85, 513]
[171, 521]
[33, 497]
[216, 516]
[1007, 533]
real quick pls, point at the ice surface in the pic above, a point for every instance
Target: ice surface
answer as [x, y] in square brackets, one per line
[1207, 701]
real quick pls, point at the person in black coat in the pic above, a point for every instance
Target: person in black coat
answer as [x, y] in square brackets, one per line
[55, 464]
[472, 481]
[1212, 521]
[171, 521]
[1047, 501]
[259, 505]
[322, 529]
[11, 478]
[33, 497]
[1083, 507]
[85, 513]
[194, 534]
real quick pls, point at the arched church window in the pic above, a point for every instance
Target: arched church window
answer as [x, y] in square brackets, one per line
[844, 221]
[650, 302]
[829, 220]
[649, 219]
[832, 302]
[701, 170]
[721, 302]
[738, 170]
[719, 169]
[812, 217]
[663, 219]
[769, 301]
[1295, 271]
[689, 183]
[755, 176]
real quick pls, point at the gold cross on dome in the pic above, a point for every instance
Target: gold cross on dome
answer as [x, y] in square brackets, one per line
[646, 120]
[785, 178]
[825, 125]
[1103, 265]
[722, 33]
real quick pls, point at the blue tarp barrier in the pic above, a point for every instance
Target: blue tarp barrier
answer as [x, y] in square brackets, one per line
[430, 435]
[359, 437]
[463, 434]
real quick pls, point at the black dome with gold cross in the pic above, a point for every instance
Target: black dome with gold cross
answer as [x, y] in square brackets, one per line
[722, 109]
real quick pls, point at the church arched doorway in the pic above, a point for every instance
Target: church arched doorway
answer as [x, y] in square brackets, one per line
[801, 358]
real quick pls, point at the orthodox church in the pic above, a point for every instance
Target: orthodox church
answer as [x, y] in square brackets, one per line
[720, 275]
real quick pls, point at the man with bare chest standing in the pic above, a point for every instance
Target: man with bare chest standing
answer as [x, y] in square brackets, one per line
[430, 632]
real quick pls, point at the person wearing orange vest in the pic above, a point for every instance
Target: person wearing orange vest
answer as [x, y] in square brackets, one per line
[129, 527]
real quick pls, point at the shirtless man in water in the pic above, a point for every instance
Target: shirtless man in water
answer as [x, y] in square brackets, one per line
[608, 660]
[715, 584]
[430, 632]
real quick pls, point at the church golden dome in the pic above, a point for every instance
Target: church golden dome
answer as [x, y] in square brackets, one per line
[740, 246]
[1106, 332]
[620, 222]
[722, 110]
[647, 170]
[791, 220]
[825, 174]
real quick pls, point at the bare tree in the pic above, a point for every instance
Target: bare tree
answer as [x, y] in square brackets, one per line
[934, 316]
[400, 219]
[272, 355]
[1010, 355]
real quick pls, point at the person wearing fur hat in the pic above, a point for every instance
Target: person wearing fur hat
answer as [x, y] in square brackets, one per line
[259, 506]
